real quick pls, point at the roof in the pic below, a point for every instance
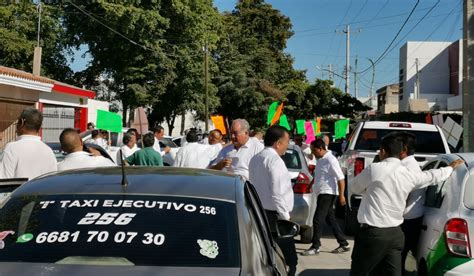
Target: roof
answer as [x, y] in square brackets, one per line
[141, 180]
[57, 86]
[386, 125]
[23, 75]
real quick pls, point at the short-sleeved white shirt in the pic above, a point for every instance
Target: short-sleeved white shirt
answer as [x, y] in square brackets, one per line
[326, 175]
[82, 159]
[27, 157]
[241, 157]
[195, 155]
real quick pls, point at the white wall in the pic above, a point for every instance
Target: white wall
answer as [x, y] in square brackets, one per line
[433, 66]
[93, 106]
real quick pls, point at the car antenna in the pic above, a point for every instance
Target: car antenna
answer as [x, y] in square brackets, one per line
[124, 182]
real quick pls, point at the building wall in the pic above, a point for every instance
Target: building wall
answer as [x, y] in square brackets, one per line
[433, 70]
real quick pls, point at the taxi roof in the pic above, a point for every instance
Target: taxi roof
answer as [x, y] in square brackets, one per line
[167, 181]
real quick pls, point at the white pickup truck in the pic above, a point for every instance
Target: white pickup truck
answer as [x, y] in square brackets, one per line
[363, 146]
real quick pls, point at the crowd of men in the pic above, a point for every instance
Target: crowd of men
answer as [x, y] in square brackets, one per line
[392, 188]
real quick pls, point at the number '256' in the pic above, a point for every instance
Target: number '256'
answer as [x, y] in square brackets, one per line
[107, 218]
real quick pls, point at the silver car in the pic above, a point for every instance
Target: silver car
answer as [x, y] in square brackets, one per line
[305, 199]
[139, 221]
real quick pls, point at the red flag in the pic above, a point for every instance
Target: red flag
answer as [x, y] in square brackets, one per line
[428, 119]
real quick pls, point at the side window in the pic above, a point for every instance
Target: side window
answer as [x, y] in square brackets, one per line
[256, 236]
[258, 213]
[435, 193]
[114, 137]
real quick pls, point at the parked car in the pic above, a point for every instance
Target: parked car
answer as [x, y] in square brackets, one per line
[7, 186]
[159, 221]
[116, 142]
[363, 146]
[305, 200]
[446, 241]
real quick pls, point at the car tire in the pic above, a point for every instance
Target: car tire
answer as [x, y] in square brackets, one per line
[351, 225]
[306, 234]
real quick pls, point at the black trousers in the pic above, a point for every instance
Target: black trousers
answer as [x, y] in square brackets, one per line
[287, 245]
[411, 228]
[325, 212]
[377, 251]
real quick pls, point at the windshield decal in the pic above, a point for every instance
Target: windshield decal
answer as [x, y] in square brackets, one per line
[3, 235]
[208, 248]
[25, 238]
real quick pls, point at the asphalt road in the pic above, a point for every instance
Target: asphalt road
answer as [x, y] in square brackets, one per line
[329, 264]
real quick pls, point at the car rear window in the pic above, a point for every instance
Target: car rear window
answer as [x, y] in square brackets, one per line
[120, 230]
[426, 141]
[292, 159]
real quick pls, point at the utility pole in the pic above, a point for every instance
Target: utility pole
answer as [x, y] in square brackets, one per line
[347, 31]
[468, 76]
[37, 52]
[330, 71]
[206, 87]
[371, 92]
[417, 83]
[355, 78]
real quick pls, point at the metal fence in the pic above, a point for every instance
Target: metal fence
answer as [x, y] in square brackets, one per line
[55, 119]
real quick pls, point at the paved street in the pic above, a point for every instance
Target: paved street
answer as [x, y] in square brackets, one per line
[329, 264]
[325, 263]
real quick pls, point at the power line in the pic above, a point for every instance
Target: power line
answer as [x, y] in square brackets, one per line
[360, 10]
[361, 21]
[393, 40]
[373, 26]
[122, 35]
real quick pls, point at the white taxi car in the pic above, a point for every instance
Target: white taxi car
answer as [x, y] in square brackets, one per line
[446, 245]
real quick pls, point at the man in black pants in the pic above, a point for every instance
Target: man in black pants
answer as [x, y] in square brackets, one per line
[414, 210]
[329, 184]
[272, 182]
[385, 187]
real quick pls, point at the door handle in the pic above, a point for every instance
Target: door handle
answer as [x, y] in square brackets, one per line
[424, 227]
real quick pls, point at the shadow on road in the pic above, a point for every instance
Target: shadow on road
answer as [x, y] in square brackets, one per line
[325, 272]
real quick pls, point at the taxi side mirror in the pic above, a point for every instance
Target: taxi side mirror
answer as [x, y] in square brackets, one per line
[287, 229]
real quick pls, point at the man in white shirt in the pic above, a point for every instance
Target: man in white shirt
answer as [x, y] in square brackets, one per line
[129, 147]
[27, 157]
[269, 175]
[159, 132]
[76, 158]
[194, 154]
[236, 157]
[414, 210]
[96, 138]
[329, 186]
[385, 187]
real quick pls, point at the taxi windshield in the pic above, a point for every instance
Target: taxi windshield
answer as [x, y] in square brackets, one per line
[119, 230]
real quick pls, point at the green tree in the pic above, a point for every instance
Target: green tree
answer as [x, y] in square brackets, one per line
[18, 38]
[192, 26]
[124, 39]
[254, 70]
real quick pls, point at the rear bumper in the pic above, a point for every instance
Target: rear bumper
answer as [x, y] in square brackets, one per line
[303, 209]
[464, 269]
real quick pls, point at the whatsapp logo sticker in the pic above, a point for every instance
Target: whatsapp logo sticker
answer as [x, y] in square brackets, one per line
[25, 238]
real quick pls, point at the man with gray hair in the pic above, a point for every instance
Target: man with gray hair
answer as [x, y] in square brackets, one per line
[27, 157]
[235, 158]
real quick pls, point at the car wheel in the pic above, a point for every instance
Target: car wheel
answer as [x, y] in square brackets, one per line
[306, 234]
[351, 225]
[422, 268]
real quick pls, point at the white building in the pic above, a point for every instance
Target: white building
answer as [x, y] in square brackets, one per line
[430, 76]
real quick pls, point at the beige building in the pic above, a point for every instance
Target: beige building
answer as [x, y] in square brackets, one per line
[387, 99]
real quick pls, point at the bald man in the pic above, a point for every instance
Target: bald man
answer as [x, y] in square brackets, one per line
[215, 137]
[76, 158]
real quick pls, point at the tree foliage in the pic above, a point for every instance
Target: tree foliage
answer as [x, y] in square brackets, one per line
[18, 38]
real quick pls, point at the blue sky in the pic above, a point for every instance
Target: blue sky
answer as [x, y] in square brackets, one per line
[318, 39]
